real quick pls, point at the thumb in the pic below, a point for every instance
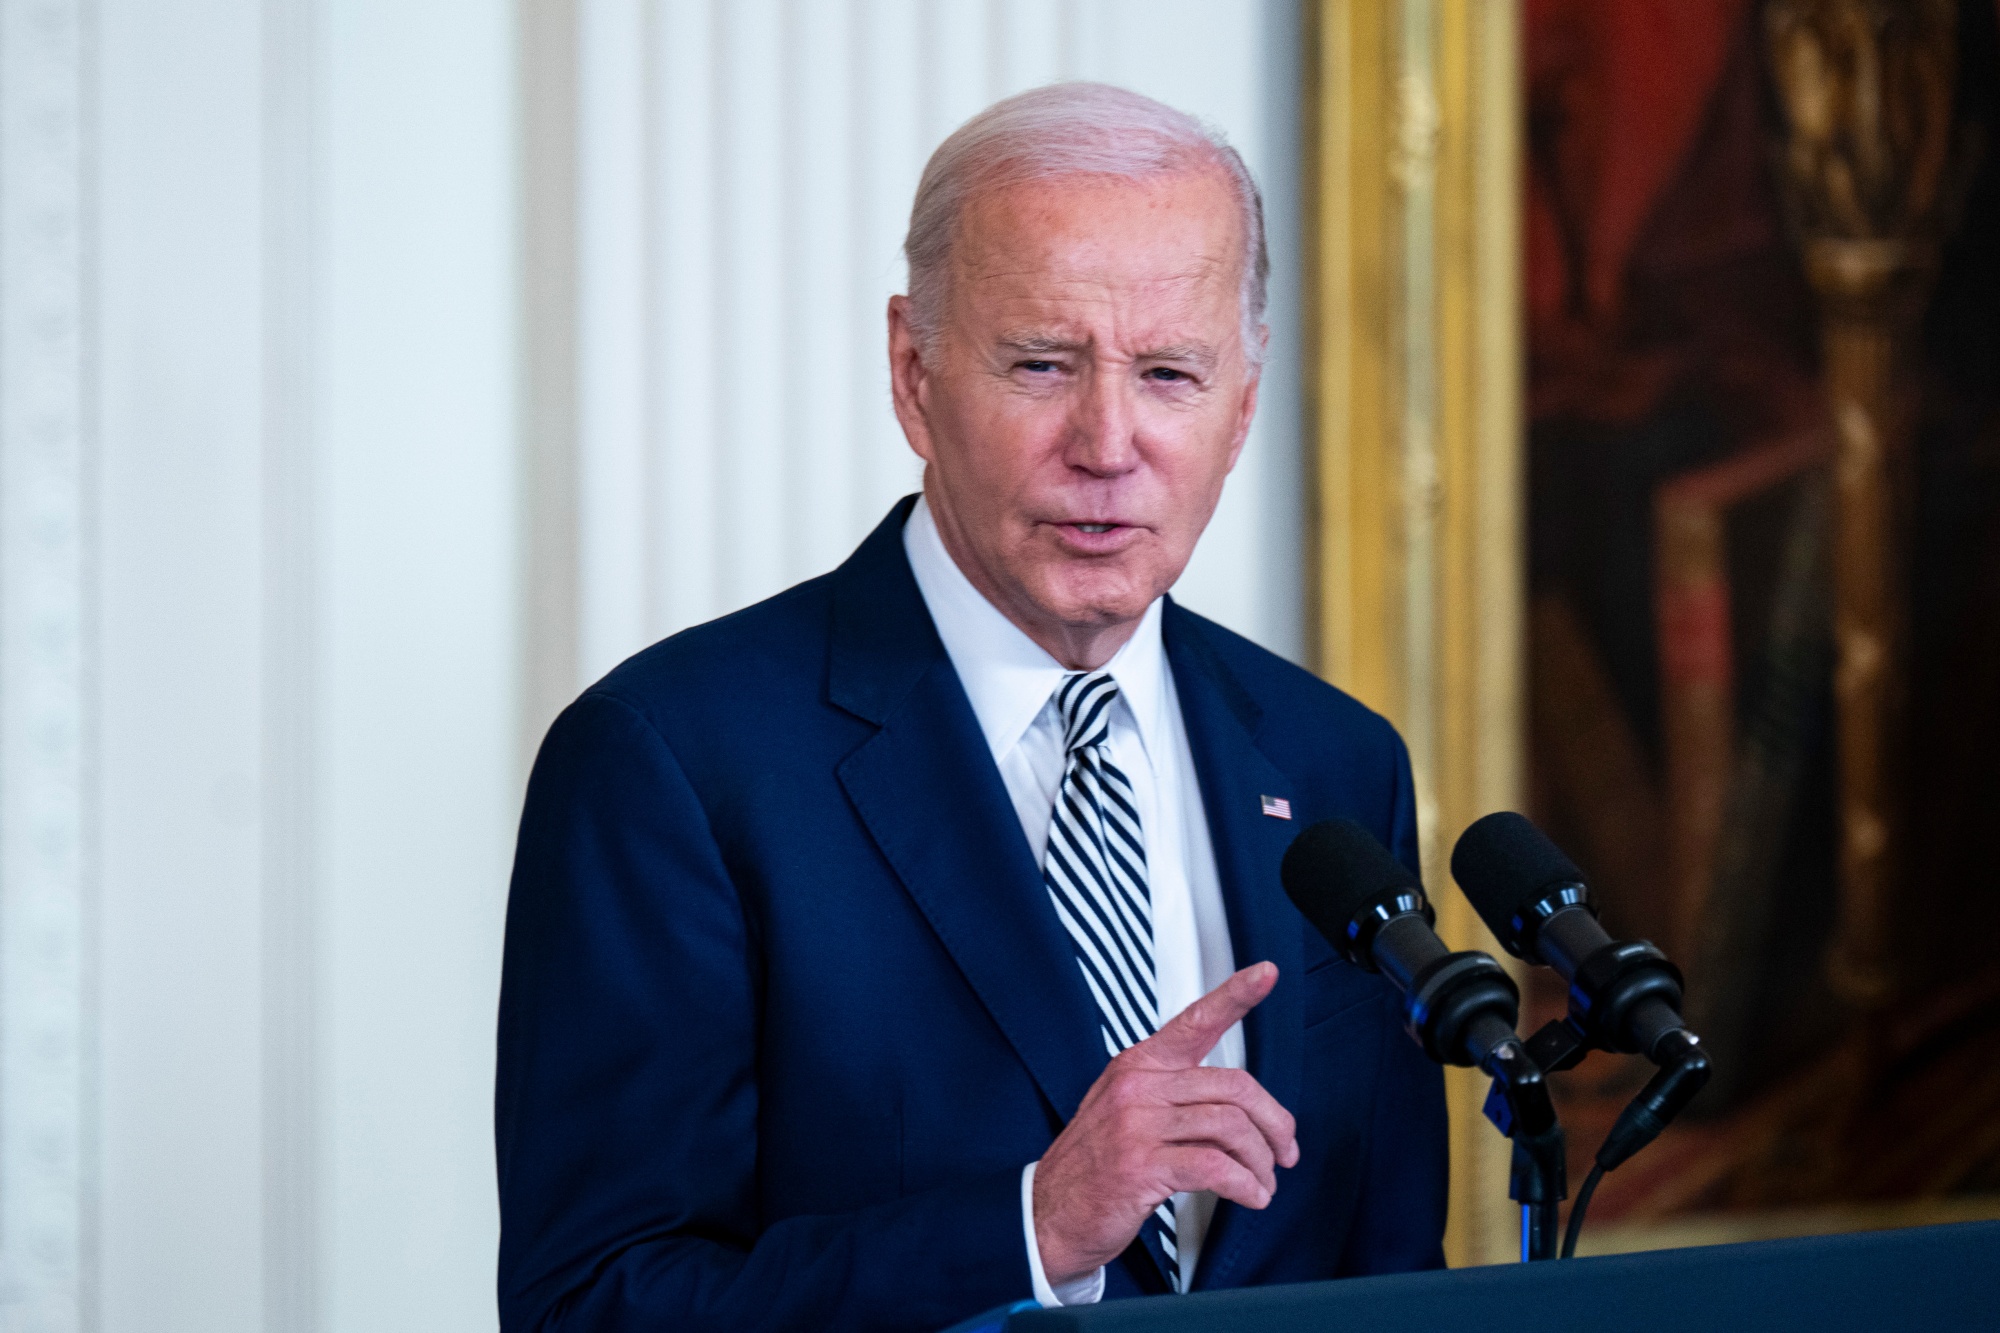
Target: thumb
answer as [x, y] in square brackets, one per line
[1185, 1040]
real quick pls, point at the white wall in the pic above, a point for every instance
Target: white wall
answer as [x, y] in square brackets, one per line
[177, 369]
[417, 671]
[744, 179]
[289, 409]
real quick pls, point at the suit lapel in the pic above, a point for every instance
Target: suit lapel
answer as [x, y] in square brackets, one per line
[926, 788]
[1222, 722]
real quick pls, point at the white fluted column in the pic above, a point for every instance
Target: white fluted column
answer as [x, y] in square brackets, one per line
[258, 659]
[46, 609]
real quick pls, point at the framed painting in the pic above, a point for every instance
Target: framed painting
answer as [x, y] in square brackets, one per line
[1657, 406]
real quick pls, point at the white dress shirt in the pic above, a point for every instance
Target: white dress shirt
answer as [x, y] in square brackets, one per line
[1011, 680]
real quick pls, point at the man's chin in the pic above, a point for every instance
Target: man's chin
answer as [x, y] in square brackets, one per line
[1097, 603]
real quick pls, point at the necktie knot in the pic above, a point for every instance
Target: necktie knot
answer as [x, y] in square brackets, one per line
[1084, 698]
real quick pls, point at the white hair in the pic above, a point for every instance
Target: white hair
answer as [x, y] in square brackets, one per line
[1072, 129]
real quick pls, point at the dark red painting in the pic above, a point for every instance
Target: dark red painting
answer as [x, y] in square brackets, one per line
[1701, 669]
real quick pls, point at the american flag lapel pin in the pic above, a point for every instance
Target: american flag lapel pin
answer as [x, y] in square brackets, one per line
[1277, 807]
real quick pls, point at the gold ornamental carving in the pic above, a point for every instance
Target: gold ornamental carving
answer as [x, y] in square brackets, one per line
[1866, 159]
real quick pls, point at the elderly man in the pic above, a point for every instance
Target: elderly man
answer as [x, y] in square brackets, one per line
[912, 942]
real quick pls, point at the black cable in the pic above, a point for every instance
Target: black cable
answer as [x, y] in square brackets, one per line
[1684, 1068]
[1577, 1210]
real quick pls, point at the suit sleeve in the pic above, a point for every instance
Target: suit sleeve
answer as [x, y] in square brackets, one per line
[626, 1103]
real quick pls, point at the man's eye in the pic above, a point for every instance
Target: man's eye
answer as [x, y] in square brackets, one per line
[1038, 367]
[1165, 374]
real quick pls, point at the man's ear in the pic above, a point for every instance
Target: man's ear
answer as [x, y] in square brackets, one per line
[1247, 409]
[908, 378]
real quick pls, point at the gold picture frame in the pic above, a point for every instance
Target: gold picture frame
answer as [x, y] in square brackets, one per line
[1414, 384]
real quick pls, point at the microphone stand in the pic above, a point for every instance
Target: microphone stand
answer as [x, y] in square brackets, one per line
[1683, 1070]
[1518, 1105]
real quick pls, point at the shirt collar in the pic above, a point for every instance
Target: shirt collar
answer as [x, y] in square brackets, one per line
[1007, 675]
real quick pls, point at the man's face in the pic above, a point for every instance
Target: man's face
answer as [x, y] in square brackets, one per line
[1086, 397]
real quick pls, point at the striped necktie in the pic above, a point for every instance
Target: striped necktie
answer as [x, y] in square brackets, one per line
[1096, 874]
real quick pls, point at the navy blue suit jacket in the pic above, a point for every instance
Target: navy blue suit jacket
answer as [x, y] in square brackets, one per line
[786, 1008]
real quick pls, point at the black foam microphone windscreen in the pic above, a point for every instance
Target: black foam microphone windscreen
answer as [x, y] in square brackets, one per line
[1334, 869]
[1460, 1007]
[1505, 865]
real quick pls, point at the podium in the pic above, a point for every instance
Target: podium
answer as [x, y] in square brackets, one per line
[1937, 1277]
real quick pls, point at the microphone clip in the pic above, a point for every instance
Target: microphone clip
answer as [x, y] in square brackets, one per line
[1518, 1105]
[1558, 1045]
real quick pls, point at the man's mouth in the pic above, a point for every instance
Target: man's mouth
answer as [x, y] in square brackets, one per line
[1098, 537]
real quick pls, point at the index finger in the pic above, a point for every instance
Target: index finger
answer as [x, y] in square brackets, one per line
[1185, 1040]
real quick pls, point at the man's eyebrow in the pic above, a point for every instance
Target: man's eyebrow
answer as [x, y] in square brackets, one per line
[1033, 343]
[1197, 352]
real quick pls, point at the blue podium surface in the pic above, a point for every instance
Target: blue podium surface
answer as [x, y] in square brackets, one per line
[1939, 1277]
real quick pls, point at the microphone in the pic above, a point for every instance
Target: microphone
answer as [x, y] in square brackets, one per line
[1460, 1007]
[1624, 995]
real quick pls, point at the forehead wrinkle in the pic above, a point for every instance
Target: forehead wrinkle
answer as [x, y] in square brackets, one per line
[1173, 330]
[1053, 290]
[1062, 305]
[1200, 271]
[987, 258]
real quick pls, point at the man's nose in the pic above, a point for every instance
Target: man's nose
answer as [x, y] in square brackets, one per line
[1102, 424]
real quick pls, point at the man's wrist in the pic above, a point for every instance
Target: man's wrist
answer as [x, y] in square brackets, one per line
[1086, 1290]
